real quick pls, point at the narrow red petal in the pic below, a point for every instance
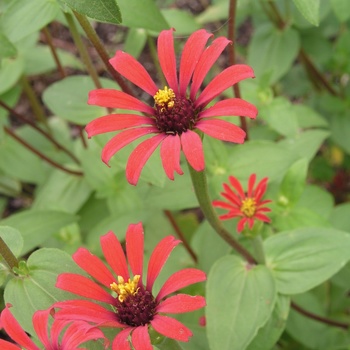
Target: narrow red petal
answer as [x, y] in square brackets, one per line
[180, 279]
[118, 99]
[221, 82]
[240, 225]
[206, 61]
[171, 328]
[190, 55]
[5, 345]
[237, 186]
[140, 338]
[222, 130]
[93, 266]
[55, 330]
[251, 183]
[181, 303]
[121, 341]
[158, 258]
[167, 59]
[221, 204]
[122, 139]
[114, 254]
[40, 324]
[170, 154]
[260, 189]
[115, 122]
[134, 248]
[139, 157]
[193, 149]
[134, 71]
[231, 106]
[262, 217]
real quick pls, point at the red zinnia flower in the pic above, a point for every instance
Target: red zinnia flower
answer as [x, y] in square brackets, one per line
[177, 113]
[133, 306]
[74, 335]
[249, 206]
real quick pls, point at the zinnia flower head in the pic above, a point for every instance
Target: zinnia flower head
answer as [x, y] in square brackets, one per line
[179, 111]
[249, 206]
[74, 335]
[130, 303]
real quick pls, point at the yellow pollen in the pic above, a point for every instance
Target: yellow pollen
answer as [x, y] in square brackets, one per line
[125, 289]
[164, 98]
[248, 207]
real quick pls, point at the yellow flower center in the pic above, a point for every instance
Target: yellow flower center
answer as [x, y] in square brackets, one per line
[248, 207]
[125, 289]
[164, 98]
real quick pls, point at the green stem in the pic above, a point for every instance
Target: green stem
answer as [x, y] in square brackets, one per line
[199, 181]
[7, 255]
[258, 247]
[82, 50]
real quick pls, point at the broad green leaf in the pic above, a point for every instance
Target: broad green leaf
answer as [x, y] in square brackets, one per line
[308, 117]
[340, 128]
[304, 258]
[341, 9]
[10, 72]
[214, 12]
[183, 21]
[273, 51]
[101, 10]
[269, 334]
[9, 186]
[135, 41]
[37, 226]
[12, 238]
[340, 217]
[68, 99]
[309, 9]
[7, 49]
[36, 290]
[240, 300]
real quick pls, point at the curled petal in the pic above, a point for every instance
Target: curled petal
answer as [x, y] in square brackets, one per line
[140, 338]
[193, 149]
[181, 303]
[171, 328]
[170, 155]
[134, 248]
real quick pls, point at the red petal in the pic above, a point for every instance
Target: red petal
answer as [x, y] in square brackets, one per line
[240, 225]
[180, 279]
[209, 56]
[262, 217]
[123, 139]
[251, 182]
[181, 303]
[231, 195]
[222, 130]
[167, 60]
[230, 106]
[118, 99]
[134, 248]
[5, 345]
[221, 204]
[158, 258]
[139, 157]
[140, 338]
[237, 186]
[114, 254]
[260, 189]
[121, 341]
[190, 56]
[114, 122]
[221, 82]
[93, 266]
[56, 329]
[193, 149]
[171, 328]
[170, 155]
[134, 71]
[40, 323]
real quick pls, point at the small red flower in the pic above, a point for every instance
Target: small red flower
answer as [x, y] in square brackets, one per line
[247, 205]
[130, 304]
[177, 113]
[74, 335]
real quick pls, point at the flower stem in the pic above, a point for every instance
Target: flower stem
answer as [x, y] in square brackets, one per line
[258, 247]
[199, 181]
[7, 255]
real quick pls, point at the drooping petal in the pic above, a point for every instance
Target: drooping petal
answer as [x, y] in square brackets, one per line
[131, 69]
[222, 130]
[115, 122]
[5, 345]
[251, 183]
[170, 154]
[139, 157]
[167, 59]
[262, 217]
[181, 303]
[140, 338]
[180, 279]
[114, 254]
[193, 149]
[118, 99]
[190, 55]
[241, 223]
[134, 248]
[121, 341]
[222, 81]
[83, 286]
[40, 324]
[230, 106]
[158, 258]
[209, 56]
[93, 266]
[123, 139]
[171, 328]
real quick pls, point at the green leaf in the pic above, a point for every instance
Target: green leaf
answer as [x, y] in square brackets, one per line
[214, 12]
[341, 9]
[6, 48]
[12, 238]
[240, 297]
[309, 9]
[10, 72]
[101, 10]
[273, 51]
[302, 259]
[340, 217]
[183, 21]
[308, 117]
[135, 41]
[37, 226]
[36, 290]
[9, 186]
[340, 128]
